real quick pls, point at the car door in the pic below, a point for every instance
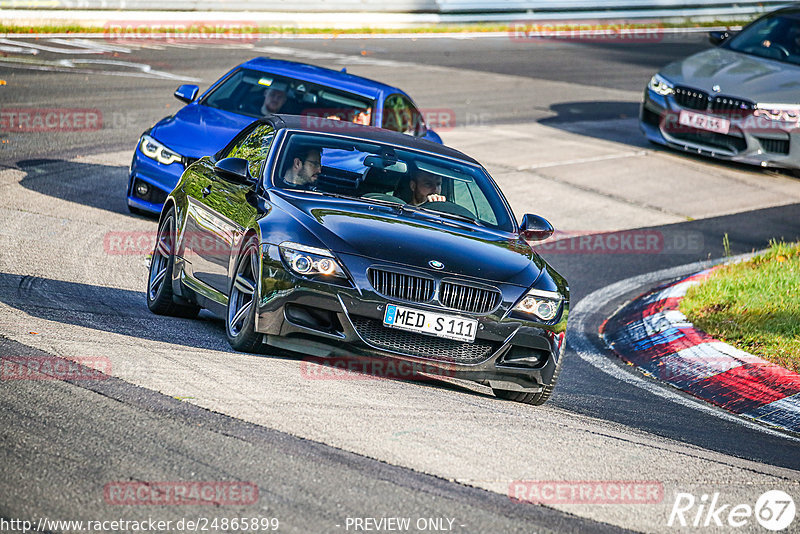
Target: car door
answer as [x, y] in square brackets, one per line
[220, 214]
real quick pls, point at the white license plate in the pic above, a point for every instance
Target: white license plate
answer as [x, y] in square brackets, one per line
[426, 322]
[704, 122]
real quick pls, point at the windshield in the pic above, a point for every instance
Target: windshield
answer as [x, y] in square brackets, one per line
[775, 38]
[379, 173]
[255, 94]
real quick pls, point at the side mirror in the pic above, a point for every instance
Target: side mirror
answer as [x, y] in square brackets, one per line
[535, 228]
[235, 170]
[717, 37]
[187, 93]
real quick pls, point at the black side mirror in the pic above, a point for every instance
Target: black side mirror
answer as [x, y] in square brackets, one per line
[235, 170]
[717, 37]
[187, 93]
[535, 228]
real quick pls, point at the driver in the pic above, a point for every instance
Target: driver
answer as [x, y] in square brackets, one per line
[425, 187]
[305, 168]
[274, 99]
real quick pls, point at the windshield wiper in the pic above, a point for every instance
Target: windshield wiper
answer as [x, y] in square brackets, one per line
[449, 215]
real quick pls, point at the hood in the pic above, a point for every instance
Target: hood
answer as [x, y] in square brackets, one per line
[739, 75]
[196, 131]
[385, 234]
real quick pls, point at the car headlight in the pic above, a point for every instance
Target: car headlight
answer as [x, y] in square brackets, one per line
[661, 85]
[544, 305]
[310, 261]
[157, 151]
[778, 112]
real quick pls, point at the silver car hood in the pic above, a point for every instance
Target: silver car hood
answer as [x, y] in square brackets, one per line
[739, 75]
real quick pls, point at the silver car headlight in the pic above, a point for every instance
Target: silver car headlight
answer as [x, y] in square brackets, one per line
[543, 305]
[778, 112]
[310, 261]
[157, 151]
[660, 85]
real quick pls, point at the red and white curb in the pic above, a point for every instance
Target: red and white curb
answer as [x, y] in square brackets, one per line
[652, 334]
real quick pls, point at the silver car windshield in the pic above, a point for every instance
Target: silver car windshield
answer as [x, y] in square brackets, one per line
[775, 38]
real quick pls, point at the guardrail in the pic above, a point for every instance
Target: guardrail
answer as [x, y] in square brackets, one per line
[508, 9]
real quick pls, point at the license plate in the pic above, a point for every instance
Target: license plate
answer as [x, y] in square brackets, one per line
[704, 122]
[427, 322]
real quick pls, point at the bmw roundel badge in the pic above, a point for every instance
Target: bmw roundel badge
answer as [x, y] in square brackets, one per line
[436, 264]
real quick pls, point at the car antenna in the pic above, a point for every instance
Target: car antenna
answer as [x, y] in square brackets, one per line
[344, 69]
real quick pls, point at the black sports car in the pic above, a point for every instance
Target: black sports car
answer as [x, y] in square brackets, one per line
[338, 239]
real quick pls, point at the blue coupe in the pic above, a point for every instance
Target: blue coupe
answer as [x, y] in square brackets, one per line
[254, 89]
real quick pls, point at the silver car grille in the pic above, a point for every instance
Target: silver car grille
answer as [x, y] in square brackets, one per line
[454, 295]
[468, 298]
[401, 286]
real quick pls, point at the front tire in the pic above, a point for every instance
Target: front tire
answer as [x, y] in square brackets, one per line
[160, 298]
[240, 319]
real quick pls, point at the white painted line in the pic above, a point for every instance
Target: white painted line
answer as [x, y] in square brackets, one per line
[91, 44]
[45, 48]
[18, 50]
[139, 70]
[578, 340]
[578, 161]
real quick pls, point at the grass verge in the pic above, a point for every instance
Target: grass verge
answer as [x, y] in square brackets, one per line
[753, 305]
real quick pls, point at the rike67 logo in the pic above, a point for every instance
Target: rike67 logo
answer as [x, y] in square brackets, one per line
[774, 510]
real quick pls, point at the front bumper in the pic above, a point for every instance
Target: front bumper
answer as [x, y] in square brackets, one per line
[329, 321]
[749, 141]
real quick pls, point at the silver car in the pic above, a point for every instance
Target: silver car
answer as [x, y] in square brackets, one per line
[739, 101]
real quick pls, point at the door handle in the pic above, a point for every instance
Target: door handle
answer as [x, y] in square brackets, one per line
[206, 191]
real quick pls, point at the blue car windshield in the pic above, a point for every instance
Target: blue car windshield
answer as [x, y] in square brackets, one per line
[775, 38]
[255, 94]
[375, 172]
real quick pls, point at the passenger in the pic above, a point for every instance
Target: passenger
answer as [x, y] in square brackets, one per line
[305, 168]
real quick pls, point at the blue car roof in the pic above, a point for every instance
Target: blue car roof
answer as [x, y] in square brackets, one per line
[321, 75]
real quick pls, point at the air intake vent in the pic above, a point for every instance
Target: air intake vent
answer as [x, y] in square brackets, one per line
[422, 346]
[774, 146]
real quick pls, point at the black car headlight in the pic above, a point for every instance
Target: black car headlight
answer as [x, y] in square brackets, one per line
[544, 305]
[157, 151]
[660, 85]
[310, 261]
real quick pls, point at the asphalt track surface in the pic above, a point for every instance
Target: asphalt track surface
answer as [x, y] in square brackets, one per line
[354, 448]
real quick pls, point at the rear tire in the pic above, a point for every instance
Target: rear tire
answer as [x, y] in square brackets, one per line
[536, 399]
[240, 318]
[160, 298]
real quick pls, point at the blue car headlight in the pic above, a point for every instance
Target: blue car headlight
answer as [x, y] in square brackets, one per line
[157, 151]
[660, 85]
[310, 261]
[544, 305]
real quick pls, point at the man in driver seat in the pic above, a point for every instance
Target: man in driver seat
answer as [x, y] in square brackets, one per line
[425, 187]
